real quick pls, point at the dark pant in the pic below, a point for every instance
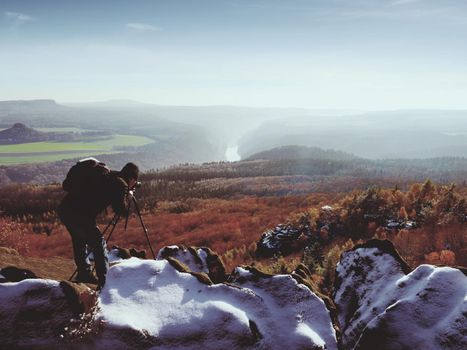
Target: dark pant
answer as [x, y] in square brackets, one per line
[88, 237]
[85, 236]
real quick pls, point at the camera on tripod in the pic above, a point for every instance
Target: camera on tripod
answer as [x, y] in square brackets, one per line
[131, 190]
[136, 185]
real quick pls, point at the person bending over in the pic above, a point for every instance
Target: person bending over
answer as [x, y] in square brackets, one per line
[91, 187]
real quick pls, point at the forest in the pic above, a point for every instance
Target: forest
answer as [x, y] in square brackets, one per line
[229, 206]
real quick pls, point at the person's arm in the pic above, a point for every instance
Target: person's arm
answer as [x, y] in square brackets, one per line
[120, 198]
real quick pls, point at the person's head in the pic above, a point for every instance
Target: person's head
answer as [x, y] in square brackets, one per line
[130, 174]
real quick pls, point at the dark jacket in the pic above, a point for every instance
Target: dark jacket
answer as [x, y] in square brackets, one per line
[111, 190]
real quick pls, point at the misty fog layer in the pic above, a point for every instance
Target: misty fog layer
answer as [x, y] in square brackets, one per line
[231, 154]
[224, 132]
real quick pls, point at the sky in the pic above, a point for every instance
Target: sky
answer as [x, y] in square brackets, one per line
[323, 54]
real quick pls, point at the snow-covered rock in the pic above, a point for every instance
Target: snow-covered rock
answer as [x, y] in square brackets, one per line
[197, 259]
[147, 303]
[383, 305]
[280, 240]
[35, 312]
[300, 318]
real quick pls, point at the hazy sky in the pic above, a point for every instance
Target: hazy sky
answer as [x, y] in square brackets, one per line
[358, 54]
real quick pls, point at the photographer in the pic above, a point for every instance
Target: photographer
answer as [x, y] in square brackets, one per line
[91, 188]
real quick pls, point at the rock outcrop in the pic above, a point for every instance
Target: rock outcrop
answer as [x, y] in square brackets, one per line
[117, 253]
[181, 301]
[382, 304]
[15, 274]
[34, 313]
[299, 318]
[280, 240]
[197, 259]
[169, 309]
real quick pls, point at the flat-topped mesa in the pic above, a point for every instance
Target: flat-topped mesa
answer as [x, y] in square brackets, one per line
[28, 104]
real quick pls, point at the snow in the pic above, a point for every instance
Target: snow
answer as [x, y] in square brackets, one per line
[377, 302]
[9, 291]
[300, 310]
[113, 256]
[149, 304]
[174, 310]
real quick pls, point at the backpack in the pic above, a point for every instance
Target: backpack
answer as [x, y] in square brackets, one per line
[85, 176]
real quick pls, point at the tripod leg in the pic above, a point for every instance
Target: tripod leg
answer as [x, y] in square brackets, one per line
[127, 214]
[116, 220]
[113, 222]
[143, 225]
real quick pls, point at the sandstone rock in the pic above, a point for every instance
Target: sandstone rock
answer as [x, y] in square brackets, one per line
[126, 253]
[80, 297]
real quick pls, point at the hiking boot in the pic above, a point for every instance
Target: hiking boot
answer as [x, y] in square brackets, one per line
[86, 278]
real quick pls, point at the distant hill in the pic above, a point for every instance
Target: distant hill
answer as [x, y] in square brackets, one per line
[20, 133]
[374, 135]
[28, 105]
[301, 152]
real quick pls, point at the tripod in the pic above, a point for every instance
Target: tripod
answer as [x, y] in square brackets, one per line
[114, 221]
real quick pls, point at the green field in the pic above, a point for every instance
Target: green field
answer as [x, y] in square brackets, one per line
[62, 129]
[36, 152]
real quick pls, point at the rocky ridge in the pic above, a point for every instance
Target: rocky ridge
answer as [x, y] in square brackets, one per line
[186, 300]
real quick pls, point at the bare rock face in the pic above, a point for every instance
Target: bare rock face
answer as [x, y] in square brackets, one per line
[382, 304]
[197, 259]
[35, 312]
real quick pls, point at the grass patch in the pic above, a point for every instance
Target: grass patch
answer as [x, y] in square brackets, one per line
[42, 158]
[56, 268]
[65, 129]
[36, 152]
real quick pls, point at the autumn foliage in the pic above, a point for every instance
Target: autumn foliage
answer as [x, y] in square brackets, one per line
[230, 214]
